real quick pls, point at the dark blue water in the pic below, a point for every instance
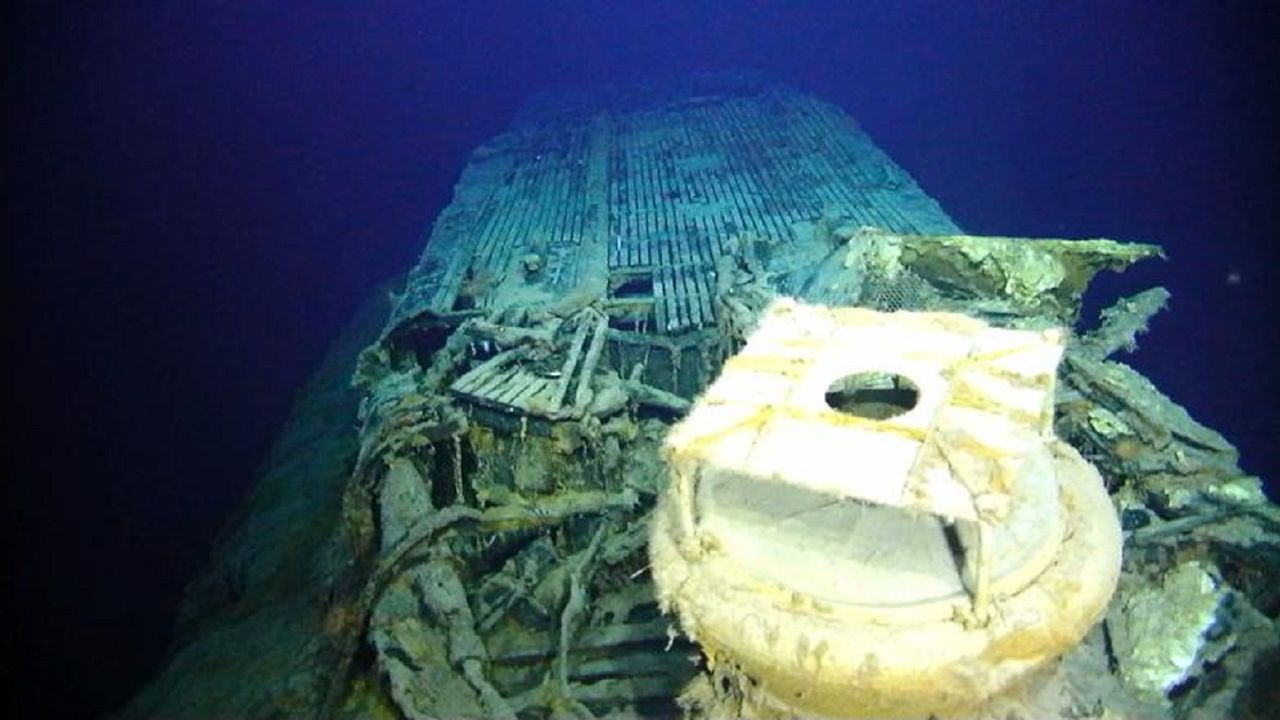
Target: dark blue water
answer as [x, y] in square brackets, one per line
[200, 198]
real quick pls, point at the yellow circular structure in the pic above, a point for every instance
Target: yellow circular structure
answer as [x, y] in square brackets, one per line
[898, 563]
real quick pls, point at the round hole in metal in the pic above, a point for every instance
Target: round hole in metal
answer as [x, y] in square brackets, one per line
[873, 395]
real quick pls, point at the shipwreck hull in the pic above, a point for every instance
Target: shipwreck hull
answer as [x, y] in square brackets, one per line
[599, 263]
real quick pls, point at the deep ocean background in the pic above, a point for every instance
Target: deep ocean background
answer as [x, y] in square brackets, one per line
[200, 195]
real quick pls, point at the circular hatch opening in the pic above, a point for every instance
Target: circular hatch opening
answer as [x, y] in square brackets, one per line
[873, 395]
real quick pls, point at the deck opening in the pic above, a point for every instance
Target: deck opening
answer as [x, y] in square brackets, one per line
[873, 395]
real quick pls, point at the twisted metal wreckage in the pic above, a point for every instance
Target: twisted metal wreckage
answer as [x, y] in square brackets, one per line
[599, 264]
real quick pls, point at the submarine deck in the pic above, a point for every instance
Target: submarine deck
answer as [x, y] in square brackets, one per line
[637, 195]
